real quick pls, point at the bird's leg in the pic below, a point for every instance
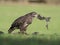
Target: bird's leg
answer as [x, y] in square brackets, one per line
[23, 30]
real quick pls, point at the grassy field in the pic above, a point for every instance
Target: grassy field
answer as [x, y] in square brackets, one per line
[8, 13]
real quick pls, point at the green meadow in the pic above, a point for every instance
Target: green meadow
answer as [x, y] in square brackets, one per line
[8, 13]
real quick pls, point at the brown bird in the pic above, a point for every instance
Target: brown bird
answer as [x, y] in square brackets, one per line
[24, 21]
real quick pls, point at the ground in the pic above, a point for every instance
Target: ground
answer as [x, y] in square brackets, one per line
[8, 13]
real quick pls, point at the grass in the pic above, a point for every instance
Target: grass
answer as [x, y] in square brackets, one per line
[8, 13]
[29, 40]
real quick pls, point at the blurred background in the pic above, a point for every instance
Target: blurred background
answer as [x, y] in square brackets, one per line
[31, 1]
[16, 8]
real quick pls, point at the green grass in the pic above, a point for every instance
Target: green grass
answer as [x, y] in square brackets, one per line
[8, 13]
[30, 40]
